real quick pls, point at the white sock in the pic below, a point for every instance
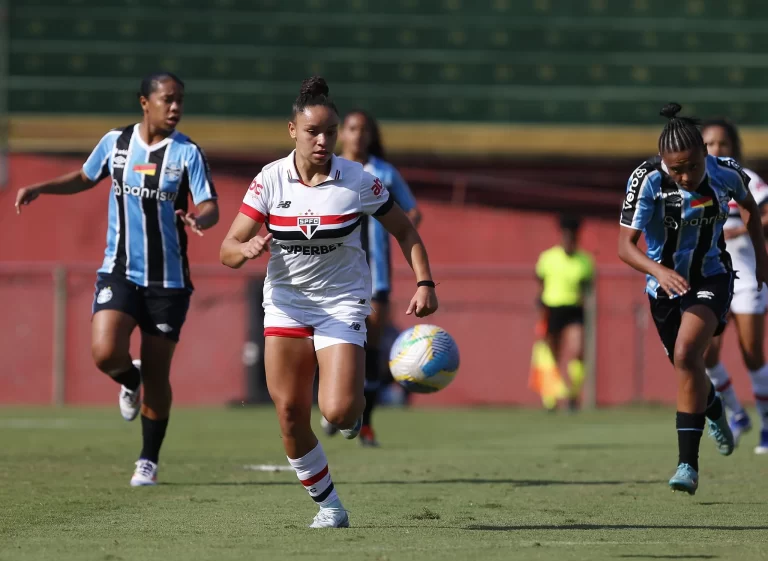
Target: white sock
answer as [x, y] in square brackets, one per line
[722, 383]
[760, 387]
[312, 471]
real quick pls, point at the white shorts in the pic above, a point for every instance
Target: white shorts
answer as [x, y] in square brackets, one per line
[746, 298]
[326, 327]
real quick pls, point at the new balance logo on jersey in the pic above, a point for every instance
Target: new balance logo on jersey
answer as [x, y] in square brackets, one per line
[355, 326]
[311, 249]
[143, 192]
[308, 225]
[284, 204]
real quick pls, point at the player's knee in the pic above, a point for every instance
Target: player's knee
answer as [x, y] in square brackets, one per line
[293, 417]
[687, 356]
[343, 413]
[108, 359]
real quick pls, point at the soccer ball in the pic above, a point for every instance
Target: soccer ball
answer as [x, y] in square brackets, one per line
[424, 359]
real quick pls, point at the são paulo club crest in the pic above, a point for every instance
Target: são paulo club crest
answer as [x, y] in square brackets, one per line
[308, 224]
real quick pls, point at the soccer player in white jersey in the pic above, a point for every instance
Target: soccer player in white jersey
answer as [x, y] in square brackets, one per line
[318, 286]
[749, 304]
[144, 280]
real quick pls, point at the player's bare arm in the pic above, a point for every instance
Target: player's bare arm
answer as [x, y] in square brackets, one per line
[68, 184]
[670, 281]
[207, 218]
[414, 215]
[400, 226]
[750, 214]
[243, 242]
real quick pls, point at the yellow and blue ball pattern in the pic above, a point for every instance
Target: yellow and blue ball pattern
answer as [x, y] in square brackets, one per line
[424, 359]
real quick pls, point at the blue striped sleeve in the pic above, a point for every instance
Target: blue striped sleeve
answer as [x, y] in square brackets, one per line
[640, 198]
[399, 189]
[200, 180]
[96, 167]
[738, 180]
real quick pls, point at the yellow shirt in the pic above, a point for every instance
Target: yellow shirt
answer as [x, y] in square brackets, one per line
[564, 276]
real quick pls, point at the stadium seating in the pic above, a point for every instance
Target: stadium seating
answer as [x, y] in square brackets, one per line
[547, 61]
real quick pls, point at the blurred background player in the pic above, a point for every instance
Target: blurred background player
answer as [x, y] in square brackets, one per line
[565, 274]
[679, 201]
[749, 303]
[144, 280]
[361, 142]
[318, 286]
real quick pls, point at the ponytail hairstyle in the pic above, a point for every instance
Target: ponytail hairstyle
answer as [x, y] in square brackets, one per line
[680, 133]
[314, 91]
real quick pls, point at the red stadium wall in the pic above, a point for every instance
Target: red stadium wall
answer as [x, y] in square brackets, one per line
[484, 262]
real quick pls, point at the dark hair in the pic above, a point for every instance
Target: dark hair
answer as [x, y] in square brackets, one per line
[570, 223]
[680, 133]
[313, 92]
[730, 131]
[376, 147]
[150, 81]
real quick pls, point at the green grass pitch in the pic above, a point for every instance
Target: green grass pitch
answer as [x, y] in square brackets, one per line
[447, 484]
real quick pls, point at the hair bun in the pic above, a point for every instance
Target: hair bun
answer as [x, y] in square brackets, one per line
[314, 87]
[670, 110]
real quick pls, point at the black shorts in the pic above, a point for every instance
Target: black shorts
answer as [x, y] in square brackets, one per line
[559, 317]
[714, 292]
[158, 311]
[381, 296]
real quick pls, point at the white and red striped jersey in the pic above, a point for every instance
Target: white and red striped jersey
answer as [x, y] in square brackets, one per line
[316, 255]
[759, 191]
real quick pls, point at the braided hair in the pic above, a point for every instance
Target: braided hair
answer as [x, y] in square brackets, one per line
[680, 133]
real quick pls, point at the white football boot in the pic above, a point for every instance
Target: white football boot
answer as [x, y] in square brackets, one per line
[331, 518]
[130, 402]
[349, 434]
[145, 474]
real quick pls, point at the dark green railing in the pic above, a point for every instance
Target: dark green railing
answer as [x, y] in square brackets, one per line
[545, 61]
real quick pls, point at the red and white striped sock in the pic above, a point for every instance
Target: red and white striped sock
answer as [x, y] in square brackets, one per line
[312, 471]
[722, 382]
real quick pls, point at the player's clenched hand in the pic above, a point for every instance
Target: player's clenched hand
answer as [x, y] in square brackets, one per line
[672, 283]
[423, 303]
[25, 196]
[255, 246]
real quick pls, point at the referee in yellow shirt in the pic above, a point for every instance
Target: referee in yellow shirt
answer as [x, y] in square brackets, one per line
[566, 274]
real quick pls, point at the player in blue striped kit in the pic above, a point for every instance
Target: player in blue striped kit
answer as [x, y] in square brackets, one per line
[679, 201]
[144, 279]
[361, 142]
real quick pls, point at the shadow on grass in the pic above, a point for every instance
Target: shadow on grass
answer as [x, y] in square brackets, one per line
[588, 527]
[459, 481]
[639, 556]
